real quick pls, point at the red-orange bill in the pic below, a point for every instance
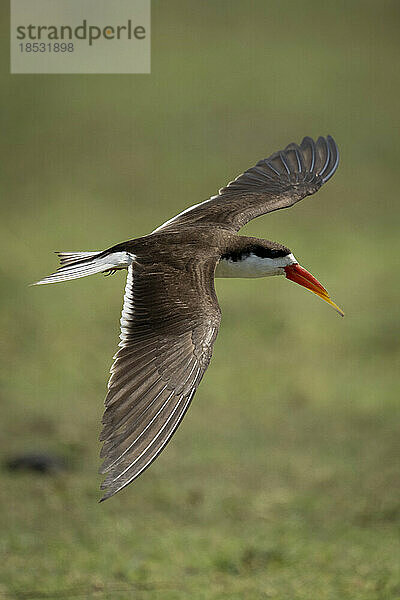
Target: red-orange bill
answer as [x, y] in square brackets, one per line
[299, 275]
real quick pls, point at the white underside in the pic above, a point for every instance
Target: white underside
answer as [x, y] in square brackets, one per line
[254, 266]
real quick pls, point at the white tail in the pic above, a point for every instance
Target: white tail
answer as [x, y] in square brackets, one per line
[82, 264]
[66, 258]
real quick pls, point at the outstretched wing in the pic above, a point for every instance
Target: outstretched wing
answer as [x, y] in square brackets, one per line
[169, 322]
[275, 182]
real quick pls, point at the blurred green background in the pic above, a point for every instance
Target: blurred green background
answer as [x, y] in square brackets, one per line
[283, 480]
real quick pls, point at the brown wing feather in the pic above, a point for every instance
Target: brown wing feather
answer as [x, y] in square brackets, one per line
[169, 323]
[278, 181]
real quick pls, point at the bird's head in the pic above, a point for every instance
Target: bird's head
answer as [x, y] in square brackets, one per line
[263, 258]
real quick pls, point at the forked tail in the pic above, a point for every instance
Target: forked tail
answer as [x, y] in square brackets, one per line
[82, 264]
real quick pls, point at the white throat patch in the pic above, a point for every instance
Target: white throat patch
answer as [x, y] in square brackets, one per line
[254, 266]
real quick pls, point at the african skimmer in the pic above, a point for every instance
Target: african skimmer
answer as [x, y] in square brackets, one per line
[170, 316]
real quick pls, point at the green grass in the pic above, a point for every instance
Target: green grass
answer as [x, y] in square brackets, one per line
[283, 481]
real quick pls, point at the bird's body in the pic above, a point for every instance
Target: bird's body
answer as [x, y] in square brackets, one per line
[171, 316]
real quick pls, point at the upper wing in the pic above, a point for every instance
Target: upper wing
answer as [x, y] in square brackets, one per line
[275, 182]
[169, 323]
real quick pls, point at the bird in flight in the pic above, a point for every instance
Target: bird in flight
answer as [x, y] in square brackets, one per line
[170, 315]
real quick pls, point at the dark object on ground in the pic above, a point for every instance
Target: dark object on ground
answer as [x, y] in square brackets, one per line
[40, 463]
